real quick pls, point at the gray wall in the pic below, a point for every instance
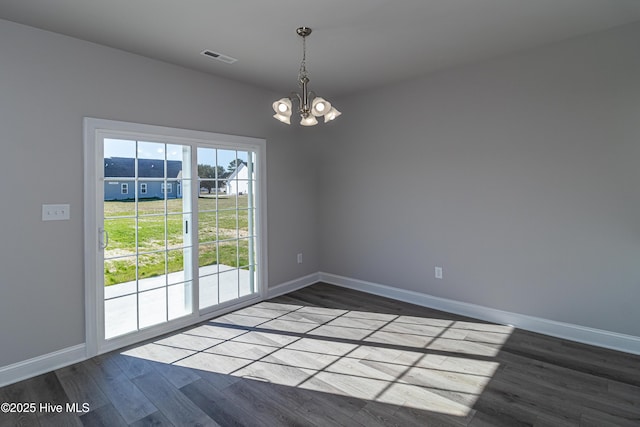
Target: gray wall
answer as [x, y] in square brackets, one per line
[518, 175]
[48, 82]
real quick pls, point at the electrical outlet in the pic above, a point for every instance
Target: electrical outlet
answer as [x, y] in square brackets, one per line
[438, 271]
[300, 258]
[55, 212]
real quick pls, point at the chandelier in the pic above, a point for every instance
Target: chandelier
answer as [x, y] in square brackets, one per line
[311, 106]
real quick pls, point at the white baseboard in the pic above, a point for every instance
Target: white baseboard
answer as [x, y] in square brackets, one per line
[41, 364]
[293, 285]
[49, 362]
[583, 334]
[628, 343]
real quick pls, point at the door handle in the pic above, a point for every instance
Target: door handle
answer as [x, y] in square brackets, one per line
[103, 237]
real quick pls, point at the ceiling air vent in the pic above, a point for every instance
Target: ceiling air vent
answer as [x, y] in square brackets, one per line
[220, 57]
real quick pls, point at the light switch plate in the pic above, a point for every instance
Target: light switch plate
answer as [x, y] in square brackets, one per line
[55, 212]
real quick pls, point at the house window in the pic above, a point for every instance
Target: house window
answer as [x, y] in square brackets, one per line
[166, 187]
[124, 189]
[143, 188]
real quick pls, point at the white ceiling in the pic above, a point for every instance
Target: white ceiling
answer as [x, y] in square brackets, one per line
[355, 45]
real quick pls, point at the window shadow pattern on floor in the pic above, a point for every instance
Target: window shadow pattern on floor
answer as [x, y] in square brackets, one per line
[424, 363]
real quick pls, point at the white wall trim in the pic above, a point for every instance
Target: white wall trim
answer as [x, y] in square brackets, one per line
[41, 364]
[583, 334]
[293, 285]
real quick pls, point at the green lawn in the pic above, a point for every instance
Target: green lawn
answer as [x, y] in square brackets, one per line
[222, 242]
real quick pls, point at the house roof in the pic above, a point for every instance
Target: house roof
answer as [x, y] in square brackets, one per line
[235, 172]
[124, 167]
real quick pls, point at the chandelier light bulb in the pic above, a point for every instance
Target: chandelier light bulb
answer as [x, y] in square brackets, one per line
[320, 106]
[282, 107]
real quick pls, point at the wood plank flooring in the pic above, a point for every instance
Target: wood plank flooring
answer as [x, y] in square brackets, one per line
[329, 356]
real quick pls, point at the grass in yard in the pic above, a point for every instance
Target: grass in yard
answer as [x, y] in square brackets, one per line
[154, 226]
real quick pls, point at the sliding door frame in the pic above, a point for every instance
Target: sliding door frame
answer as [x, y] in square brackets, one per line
[94, 131]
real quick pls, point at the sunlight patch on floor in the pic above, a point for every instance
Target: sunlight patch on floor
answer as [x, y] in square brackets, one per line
[418, 362]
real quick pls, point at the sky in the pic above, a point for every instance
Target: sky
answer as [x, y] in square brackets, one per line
[155, 150]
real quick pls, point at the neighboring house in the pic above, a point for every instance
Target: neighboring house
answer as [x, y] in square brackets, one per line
[119, 181]
[238, 181]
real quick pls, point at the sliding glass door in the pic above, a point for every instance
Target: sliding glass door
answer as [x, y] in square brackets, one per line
[177, 231]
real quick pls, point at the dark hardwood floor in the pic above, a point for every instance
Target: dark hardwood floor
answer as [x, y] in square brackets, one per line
[331, 356]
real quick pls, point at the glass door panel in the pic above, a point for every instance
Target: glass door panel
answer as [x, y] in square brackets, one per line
[225, 228]
[146, 222]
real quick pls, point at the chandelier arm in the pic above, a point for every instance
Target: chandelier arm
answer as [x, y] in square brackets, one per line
[296, 95]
